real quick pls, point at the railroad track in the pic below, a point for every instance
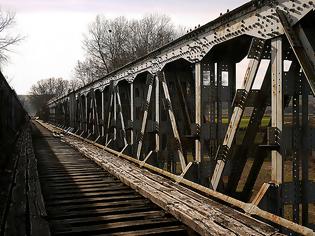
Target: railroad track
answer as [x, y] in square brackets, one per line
[83, 199]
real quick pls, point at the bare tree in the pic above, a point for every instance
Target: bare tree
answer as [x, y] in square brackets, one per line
[150, 33]
[110, 44]
[94, 42]
[106, 45]
[74, 84]
[88, 70]
[44, 90]
[51, 86]
[7, 39]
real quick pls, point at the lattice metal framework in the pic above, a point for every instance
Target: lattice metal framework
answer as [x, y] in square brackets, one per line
[183, 109]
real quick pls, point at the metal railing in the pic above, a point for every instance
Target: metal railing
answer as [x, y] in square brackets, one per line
[12, 118]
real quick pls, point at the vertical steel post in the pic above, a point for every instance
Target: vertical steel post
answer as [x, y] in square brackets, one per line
[305, 154]
[213, 144]
[296, 147]
[157, 112]
[109, 114]
[219, 103]
[198, 109]
[103, 114]
[70, 110]
[115, 112]
[80, 112]
[86, 113]
[276, 106]
[96, 121]
[231, 84]
[131, 114]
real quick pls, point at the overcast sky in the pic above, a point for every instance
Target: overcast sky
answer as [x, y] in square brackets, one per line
[54, 30]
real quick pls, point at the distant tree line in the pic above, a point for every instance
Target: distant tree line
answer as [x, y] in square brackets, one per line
[109, 44]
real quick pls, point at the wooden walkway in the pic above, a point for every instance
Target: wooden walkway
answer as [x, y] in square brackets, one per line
[200, 213]
[83, 199]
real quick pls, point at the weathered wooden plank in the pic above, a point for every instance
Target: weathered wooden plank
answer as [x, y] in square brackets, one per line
[99, 189]
[68, 184]
[87, 186]
[57, 214]
[100, 205]
[6, 184]
[16, 219]
[73, 173]
[231, 221]
[92, 200]
[116, 225]
[107, 218]
[267, 229]
[76, 178]
[200, 213]
[169, 230]
[37, 211]
[27, 209]
[164, 200]
[74, 196]
[80, 181]
[208, 213]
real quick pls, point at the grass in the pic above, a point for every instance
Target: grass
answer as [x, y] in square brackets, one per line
[245, 121]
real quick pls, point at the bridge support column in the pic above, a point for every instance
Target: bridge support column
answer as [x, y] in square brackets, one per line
[115, 111]
[121, 117]
[198, 110]
[276, 106]
[131, 118]
[111, 91]
[103, 114]
[86, 114]
[157, 113]
[81, 114]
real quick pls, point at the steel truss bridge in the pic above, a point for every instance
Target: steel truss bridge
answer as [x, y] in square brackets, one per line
[185, 113]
